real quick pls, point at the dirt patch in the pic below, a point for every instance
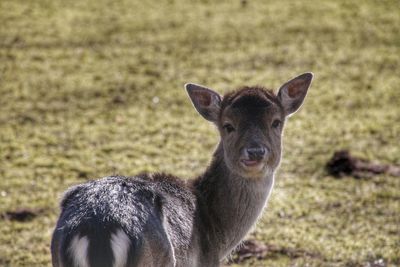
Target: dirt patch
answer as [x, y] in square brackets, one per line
[255, 249]
[343, 163]
[21, 214]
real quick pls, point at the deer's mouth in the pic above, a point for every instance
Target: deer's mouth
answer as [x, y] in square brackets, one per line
[252, 164]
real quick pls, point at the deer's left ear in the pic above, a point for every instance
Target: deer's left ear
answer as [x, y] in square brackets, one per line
[292, 93]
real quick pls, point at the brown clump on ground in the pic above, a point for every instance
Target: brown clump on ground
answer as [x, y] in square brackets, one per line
[255, 249]
[21, 214]
[343, 163]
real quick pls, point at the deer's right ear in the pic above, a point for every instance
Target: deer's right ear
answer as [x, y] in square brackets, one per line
[206, 101]
[293, 92]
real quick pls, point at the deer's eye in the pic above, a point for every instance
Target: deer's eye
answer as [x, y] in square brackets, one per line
[228, 127]
[276, 123]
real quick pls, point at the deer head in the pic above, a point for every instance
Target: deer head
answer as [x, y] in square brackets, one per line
[250, 122]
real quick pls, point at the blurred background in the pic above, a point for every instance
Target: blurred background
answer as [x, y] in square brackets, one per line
[93, 88]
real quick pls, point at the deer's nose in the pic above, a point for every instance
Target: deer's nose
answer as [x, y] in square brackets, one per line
[256, 153]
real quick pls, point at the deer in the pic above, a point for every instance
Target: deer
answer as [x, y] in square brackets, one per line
[160, 220]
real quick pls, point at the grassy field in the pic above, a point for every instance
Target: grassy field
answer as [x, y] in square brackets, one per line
[93, 88]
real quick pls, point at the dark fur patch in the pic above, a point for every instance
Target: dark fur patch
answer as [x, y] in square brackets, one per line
[250, 97]
[162, 178]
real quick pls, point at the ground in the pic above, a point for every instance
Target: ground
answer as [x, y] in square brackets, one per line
[93, 88]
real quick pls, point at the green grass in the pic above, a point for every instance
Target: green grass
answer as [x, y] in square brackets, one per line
[93, 88]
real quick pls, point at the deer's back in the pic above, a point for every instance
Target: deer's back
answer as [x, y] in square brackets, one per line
[119, 221]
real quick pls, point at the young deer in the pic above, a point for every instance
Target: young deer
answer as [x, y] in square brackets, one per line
[159, 220]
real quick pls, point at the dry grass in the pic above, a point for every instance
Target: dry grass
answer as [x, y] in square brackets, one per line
[92, 88]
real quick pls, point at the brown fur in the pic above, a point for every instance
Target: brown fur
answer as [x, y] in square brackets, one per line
[256, 96]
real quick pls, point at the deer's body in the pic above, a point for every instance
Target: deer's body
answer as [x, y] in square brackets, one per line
[159, 220]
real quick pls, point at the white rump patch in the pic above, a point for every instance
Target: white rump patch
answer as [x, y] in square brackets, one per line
[120, 243]
[78, 249]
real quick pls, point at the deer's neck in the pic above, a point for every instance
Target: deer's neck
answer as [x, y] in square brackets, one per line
[231, 204]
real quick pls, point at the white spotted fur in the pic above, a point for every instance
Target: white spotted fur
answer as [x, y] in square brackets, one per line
[78, 249]
[120, 245]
